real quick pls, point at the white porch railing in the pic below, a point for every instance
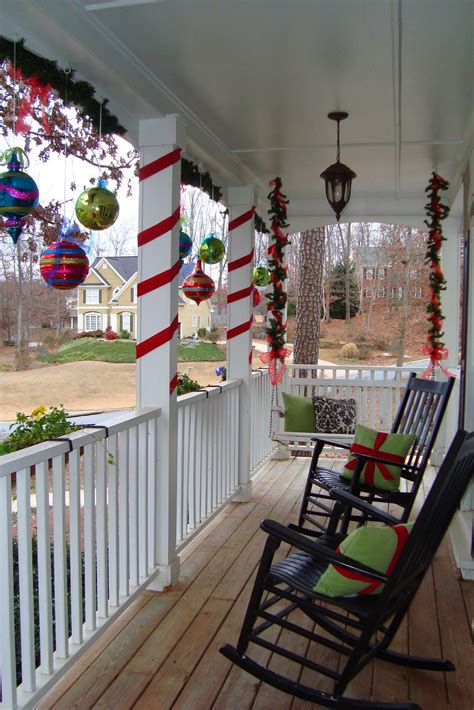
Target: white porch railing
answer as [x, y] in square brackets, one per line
[78, 538]
[261, 443]
[208, 437]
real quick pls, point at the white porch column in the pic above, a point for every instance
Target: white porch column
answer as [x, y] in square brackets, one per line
[450, 303]
[161, 141]
[240, 317]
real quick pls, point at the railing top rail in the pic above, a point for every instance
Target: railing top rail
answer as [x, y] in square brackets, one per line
[206, 392]
[259, 373]
[360, 368]
[18, 460]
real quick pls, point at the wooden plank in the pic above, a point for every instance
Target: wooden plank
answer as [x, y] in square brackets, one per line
[71, 676]
[101, 673]
[424, 640]
[455, 629]
[166, 685]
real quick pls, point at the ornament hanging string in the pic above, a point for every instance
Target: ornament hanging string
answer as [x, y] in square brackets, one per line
[436, 211]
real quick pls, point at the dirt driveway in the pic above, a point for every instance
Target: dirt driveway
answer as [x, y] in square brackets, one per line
[81, 386]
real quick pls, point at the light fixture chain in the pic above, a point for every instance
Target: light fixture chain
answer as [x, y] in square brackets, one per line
[338, 150]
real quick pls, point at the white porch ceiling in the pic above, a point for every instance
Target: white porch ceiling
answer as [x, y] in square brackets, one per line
[255, 79]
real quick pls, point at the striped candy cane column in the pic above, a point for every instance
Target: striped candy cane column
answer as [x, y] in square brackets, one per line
[161, 141]
[240, 316]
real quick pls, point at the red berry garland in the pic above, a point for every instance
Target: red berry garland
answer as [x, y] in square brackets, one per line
[436, 212]
[276, 330]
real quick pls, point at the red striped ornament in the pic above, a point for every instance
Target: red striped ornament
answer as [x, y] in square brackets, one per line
[198, 286]
[64, 265]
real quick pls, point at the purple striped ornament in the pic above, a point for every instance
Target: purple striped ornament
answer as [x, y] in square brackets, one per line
[64, 265]
[19, 196]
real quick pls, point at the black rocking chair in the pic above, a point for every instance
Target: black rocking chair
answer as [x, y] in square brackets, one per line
[360, 628]
[420, 413]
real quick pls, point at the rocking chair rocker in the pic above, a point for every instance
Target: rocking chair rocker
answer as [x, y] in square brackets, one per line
[420, 413]
[360, 628]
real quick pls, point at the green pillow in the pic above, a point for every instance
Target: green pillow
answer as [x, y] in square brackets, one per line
[378, 548]
[391, 447]
[299, 413]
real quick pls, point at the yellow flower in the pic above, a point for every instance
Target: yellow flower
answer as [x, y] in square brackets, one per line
[38, 412]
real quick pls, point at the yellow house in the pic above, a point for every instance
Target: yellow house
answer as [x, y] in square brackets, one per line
[108, 298]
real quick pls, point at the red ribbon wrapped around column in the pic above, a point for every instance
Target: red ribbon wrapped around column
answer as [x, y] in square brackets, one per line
[436, 354]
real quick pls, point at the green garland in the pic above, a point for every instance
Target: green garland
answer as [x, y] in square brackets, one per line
[277, 298]
[79, 93]
[436, 212]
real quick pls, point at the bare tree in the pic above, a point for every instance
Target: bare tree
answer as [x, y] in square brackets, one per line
[309, 293]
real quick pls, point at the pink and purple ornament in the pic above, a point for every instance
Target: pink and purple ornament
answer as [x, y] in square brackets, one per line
[64, 265]
[19, 193]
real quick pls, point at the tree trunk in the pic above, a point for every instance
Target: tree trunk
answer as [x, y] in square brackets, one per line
[347, 278]
[405, 300]
[309, 296]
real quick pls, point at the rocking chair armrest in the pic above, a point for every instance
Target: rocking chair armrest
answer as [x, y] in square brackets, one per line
[355, 502]
[377, 459]
[330, 442]
[317, 549]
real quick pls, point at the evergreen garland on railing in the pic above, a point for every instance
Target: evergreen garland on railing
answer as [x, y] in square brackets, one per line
[436, 211]
[276, 329]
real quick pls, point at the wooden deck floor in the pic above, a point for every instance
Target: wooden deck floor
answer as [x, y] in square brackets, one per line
[163, 651]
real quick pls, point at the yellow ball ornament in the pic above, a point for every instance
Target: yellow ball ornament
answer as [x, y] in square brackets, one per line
[97, 208]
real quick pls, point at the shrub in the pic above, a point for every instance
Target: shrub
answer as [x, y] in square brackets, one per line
[202, 332]
[213, 334]
[350, 351]
[91, 334]
[111, 335]
[365, 350]
[125, 335]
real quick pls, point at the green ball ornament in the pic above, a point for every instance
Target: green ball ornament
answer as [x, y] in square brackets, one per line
[97, 208]
[212, 249]
[261, 276]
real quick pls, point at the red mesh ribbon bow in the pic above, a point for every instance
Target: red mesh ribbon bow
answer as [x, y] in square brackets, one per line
[436, 354]
[271, 358]
[371, 466]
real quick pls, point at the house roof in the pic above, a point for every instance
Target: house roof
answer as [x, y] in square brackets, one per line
[125, 266]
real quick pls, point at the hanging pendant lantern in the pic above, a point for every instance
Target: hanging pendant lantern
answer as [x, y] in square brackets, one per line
[198, 286]
[212, 249]
[261, 276]
[97, 208]
[64, 265]
[185, 245]
[256, 297]
[338, 177]
[19, 193]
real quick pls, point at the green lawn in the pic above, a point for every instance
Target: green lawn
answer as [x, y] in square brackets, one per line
[124, 351]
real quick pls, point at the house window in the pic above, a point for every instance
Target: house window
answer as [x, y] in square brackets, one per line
[195, 321]
[92, 321]
[126, 322]
[382, 273]
[369, 274]
[92, 295]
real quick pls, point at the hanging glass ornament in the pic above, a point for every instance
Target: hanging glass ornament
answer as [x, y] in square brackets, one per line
[64, 265]
[18, 192]
[212, 249]
[97, 208]
[261, 276]
[185, 245]
[198, 286]
[256, 297]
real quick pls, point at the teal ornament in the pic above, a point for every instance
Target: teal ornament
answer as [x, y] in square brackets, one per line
[19, 193]
[261, 276]
[212, 249]
[185, 245]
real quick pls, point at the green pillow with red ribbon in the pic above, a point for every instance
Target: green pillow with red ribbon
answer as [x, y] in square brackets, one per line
[378, 548]
[392, 448]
